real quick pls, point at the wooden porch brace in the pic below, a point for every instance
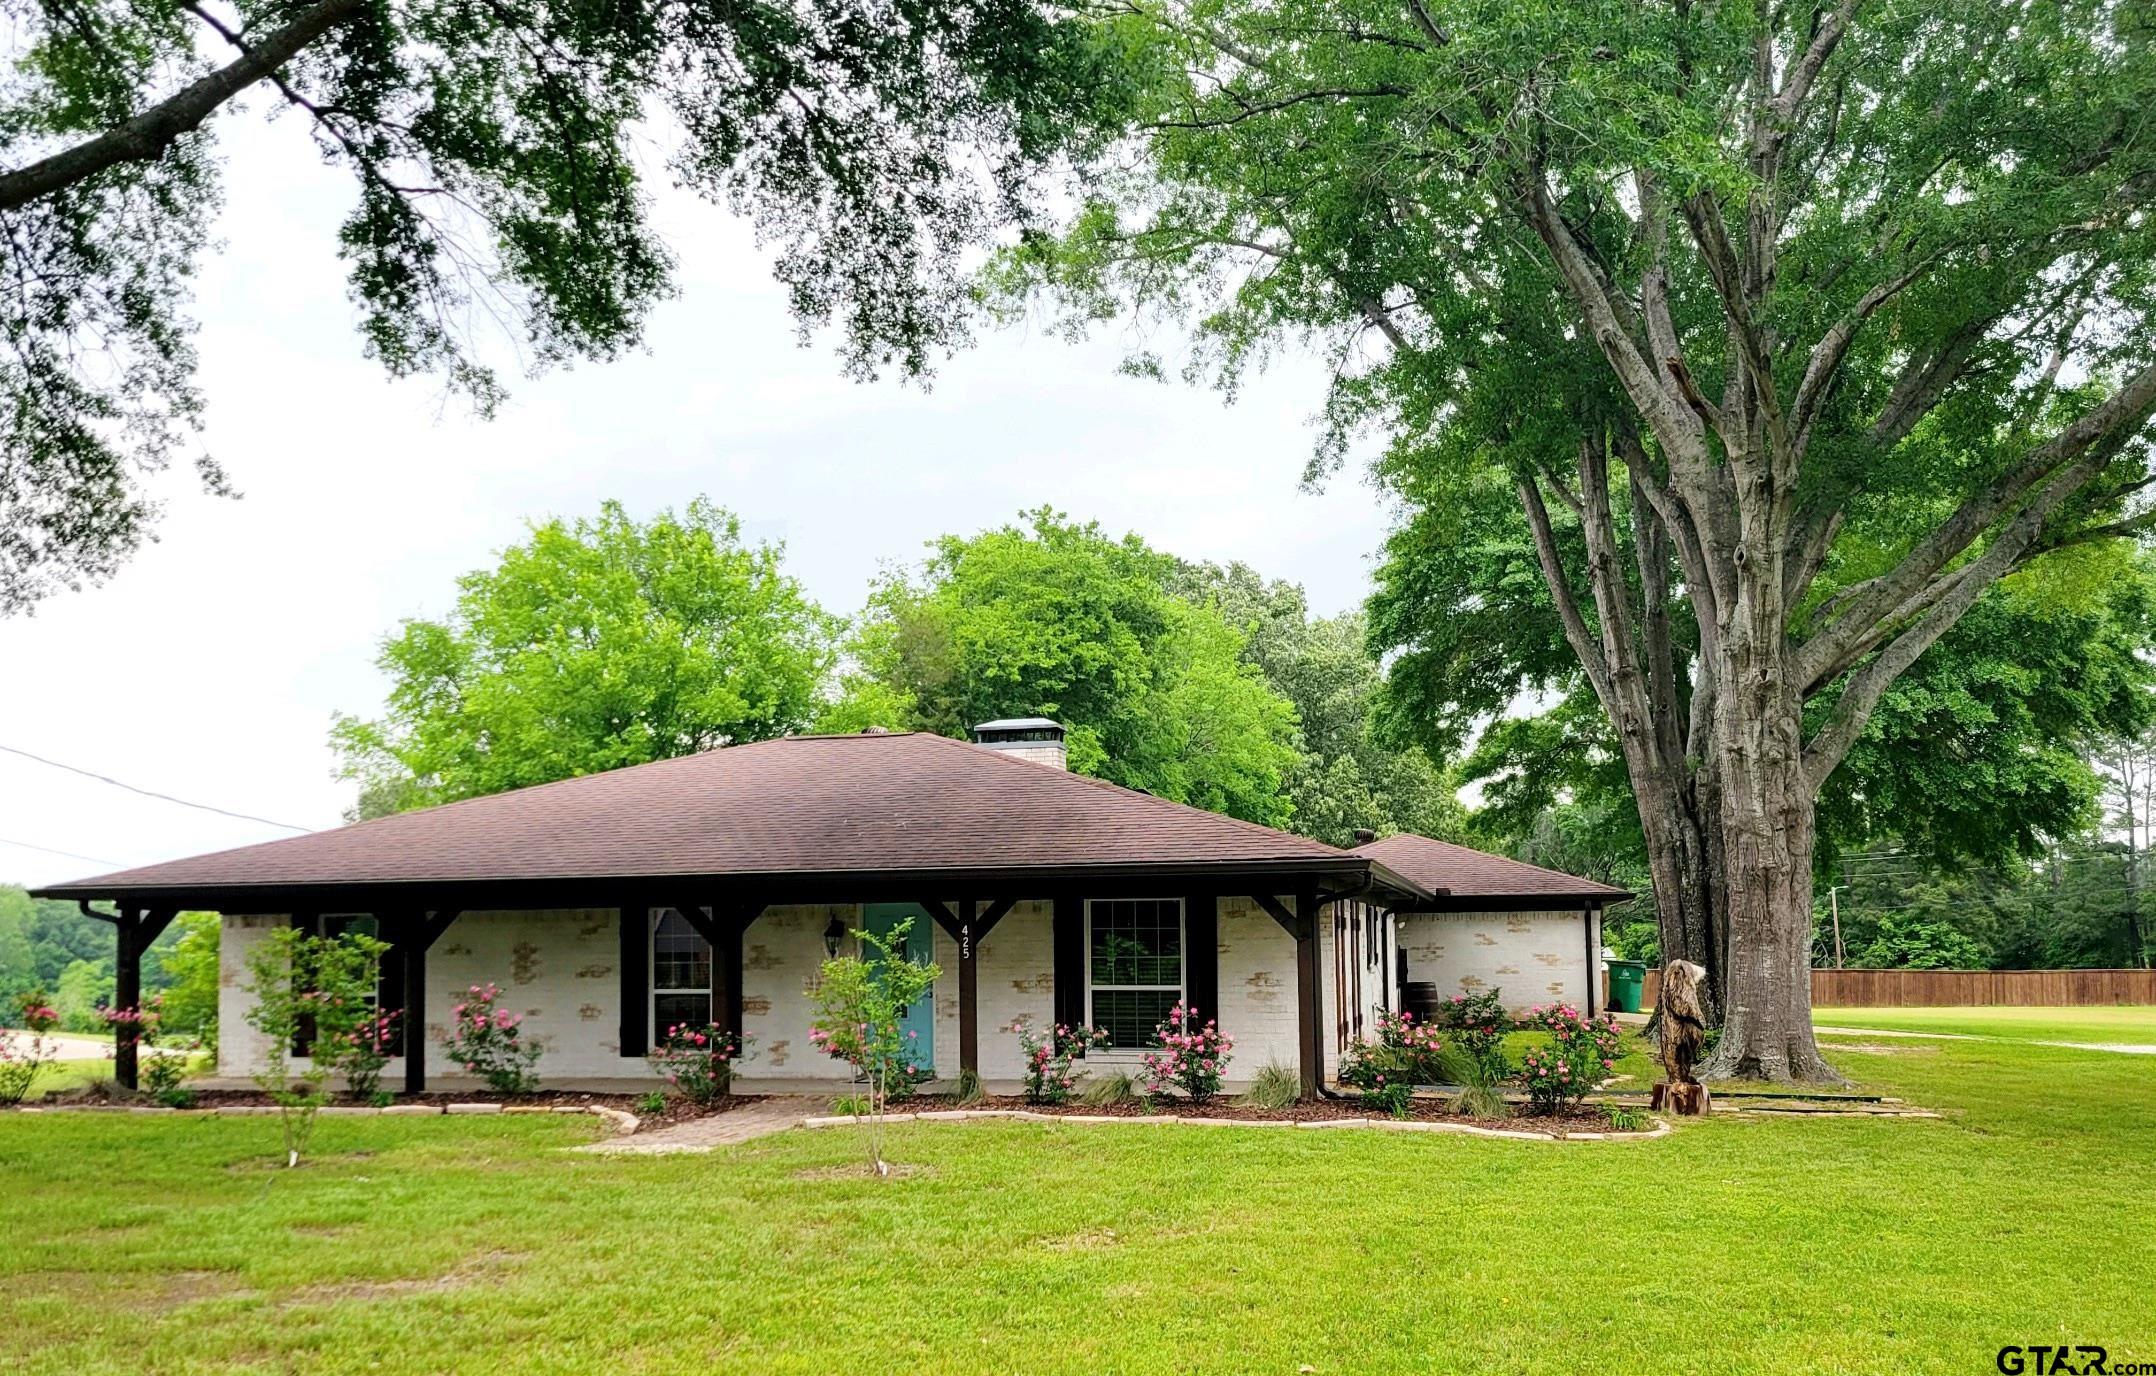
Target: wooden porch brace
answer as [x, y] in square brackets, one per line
[722, 926]
[969, 927]
[1302, 924]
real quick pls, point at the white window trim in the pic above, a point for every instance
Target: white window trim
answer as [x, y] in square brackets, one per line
[1182, 964]
[652, 991]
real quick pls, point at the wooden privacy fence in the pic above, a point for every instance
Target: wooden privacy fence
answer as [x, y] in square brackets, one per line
[1968, 988]
[1958, 988]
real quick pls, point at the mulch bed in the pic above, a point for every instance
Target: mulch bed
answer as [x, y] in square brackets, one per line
[1320, 1110]
[679, 1110]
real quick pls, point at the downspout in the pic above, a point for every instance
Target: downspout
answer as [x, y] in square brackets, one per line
[1587, 920]
[1359, 890]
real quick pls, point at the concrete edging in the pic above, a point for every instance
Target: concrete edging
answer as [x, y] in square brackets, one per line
[1662, 1127]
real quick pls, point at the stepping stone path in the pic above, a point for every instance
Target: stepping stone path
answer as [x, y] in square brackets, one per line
[760, 1119]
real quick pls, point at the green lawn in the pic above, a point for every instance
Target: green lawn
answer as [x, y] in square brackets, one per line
[1740, 1244]
[2133, 1025]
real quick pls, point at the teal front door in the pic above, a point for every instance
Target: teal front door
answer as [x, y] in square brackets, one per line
[919, 1022]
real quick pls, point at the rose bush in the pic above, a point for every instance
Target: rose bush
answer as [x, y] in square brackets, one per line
[489, 1043]
[1579, 1059]
[698, 1061]
[24, 1053]
[1048, 1056]
[1187, 1056]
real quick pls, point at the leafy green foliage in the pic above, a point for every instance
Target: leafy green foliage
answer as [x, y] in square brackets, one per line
[861, 1004]
[592, 646]
[190, 1006]
[1058, 619]
[493, 149]
[1352, 773]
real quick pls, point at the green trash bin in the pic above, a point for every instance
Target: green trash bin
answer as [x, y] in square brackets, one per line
[1628, 981]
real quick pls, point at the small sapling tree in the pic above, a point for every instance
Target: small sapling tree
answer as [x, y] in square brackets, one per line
[860, 1005]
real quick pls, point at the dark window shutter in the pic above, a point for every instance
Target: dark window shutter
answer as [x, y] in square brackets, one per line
[1201, 954]
[1068, 940]
[635, 980]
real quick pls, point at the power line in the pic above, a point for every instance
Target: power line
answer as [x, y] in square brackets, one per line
[72, 855]
[149, 793]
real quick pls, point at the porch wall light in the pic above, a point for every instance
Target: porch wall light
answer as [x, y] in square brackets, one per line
[834, 932]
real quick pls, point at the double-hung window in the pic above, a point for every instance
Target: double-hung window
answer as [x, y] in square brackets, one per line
[1134, 966]
[680, 976]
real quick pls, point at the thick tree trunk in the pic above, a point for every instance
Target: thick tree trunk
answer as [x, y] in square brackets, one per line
[1767, 832]
[1687, 883]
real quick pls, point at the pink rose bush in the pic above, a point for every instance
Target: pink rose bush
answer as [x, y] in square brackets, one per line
[1580, 1057]
[1476, 1024]
[1406, 1054]
[699, 1060]
[1048, 1057]
[162, 1076]
[362, 1052]
[24, 1053]
[487, 1041]
[1187, 1056]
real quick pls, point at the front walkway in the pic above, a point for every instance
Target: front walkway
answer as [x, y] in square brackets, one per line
[760, 1119]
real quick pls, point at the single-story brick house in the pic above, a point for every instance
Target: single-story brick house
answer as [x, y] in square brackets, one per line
[710, 888]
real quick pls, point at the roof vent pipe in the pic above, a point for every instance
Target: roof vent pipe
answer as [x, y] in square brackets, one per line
[1364, 836]
[1027, 738]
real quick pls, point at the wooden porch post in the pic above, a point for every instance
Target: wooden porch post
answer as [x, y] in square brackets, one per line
[411, 936]
[1302, 924]
[1307, 993]
[417, 932]
[724, 929]
[127, 993]
[133, 930]
[969, 927]
[969, 988]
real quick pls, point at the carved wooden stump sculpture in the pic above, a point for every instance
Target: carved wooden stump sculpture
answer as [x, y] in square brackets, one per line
[1683, 1029]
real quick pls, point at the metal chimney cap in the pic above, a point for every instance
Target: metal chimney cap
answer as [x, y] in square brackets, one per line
[1020, 723]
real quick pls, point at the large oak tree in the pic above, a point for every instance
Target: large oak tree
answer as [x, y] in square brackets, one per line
[1773, 287]
[497, 180]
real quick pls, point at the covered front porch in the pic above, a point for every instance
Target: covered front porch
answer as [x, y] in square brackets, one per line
[597, 984]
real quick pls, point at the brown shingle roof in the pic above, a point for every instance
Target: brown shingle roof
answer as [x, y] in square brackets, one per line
[1461, 873]
[799, 806]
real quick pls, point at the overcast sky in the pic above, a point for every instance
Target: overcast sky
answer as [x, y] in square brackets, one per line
[210, 667]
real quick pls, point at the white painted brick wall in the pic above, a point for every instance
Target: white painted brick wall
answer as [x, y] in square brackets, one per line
[1534, 957]
[782, 957]
[239, 1047]
[1257, 987]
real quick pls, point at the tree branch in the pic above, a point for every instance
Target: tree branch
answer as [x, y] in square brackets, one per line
[1831, 743]
[1858, 614]
[145, 137]
[1584, 643]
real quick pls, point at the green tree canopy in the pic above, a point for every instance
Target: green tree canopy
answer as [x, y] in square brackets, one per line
[1351, 775]
[1059, 619]
[594, 644]
[493, 147]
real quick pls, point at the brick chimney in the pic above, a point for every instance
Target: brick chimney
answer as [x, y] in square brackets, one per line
[1027, 738]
